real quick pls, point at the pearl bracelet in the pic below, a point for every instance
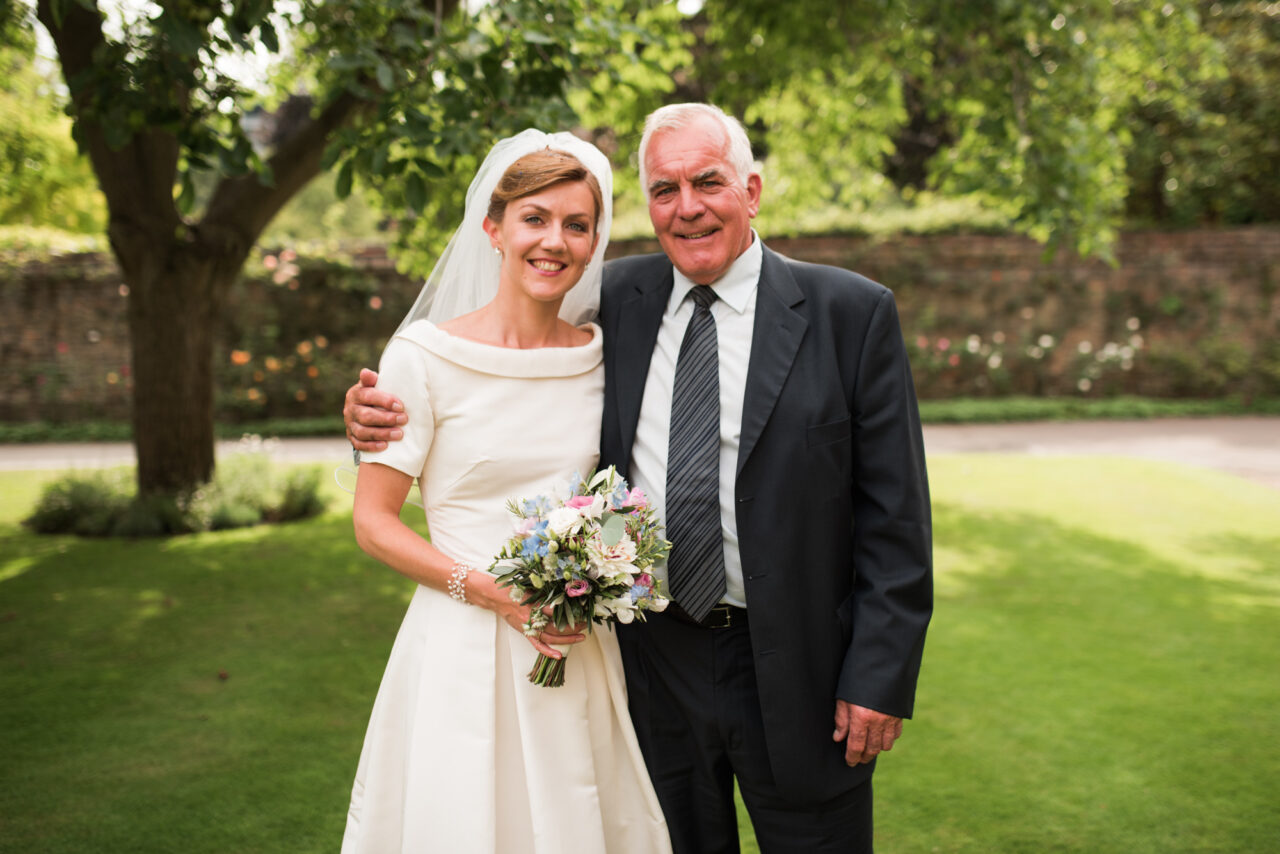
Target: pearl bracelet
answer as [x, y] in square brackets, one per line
[457, 584]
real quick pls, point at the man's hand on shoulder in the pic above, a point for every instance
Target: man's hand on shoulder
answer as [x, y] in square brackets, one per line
[373, 417]
[865, 732]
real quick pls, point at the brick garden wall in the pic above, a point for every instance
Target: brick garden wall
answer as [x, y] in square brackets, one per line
[1192, 313]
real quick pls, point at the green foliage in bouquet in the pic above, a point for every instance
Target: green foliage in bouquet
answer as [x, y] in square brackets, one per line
[582, 559]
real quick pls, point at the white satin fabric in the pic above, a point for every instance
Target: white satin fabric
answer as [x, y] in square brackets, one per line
[463, 754]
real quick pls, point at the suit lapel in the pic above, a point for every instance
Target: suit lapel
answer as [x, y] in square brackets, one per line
[775, 340]
[639, 319]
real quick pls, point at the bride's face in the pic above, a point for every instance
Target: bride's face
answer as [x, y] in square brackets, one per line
[546, 240]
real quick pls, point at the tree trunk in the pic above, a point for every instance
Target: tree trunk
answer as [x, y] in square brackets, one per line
[174, 295]
[916, 142]
[177, 272]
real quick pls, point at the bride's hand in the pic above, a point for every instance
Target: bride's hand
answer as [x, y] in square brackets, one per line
[546, 640]
[483, 590]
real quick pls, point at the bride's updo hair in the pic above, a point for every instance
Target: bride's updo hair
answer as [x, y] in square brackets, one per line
[534, 173]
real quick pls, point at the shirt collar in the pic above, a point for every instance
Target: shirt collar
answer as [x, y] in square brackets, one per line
[736, 287]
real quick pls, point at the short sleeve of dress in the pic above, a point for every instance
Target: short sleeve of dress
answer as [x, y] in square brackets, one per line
[403, 372]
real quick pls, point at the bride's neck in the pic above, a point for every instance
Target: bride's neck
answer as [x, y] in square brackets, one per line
[521, 325]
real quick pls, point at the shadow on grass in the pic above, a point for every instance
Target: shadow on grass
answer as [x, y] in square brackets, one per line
[209, 693]
[203, 693]
[1077, 689]
[1254, 562]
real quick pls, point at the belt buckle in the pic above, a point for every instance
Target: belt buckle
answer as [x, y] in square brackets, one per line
[720, 617]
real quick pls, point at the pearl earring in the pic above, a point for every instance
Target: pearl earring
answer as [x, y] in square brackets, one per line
[497, 250]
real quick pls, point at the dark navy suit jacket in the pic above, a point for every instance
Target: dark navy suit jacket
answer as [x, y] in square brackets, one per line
[831, 495]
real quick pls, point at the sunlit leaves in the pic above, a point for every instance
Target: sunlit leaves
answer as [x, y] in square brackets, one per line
[436, 82]
[825, 151]
[164, 71]
[459, 86]
[43, 181]
[187, 194]
[1209, 150]
[267, 33]
[1024, 104]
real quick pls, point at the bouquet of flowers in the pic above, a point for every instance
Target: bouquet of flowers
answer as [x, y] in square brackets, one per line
[583, 559]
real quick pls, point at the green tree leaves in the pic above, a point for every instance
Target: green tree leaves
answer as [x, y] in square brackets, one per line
[43, 179]
[1050, 112]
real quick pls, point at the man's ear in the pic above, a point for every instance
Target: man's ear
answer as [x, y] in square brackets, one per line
[755, 185]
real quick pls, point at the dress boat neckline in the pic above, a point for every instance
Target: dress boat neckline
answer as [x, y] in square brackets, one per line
[592, 328]
[507, 361]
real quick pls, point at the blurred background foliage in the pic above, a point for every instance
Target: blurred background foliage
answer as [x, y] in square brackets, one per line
[1064, 121]
[43, 179]
[1211, 153]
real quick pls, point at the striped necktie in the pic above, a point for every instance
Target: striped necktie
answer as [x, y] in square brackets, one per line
[695, 566]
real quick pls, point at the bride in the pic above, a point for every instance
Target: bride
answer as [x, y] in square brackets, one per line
[503, 390]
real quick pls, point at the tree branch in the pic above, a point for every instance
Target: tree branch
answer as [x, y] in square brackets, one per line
[136, 179]
[242, 207]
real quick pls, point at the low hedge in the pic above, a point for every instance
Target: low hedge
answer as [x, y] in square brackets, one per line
[246, 490]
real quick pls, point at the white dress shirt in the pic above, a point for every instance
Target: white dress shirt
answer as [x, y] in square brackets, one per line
[734, 311]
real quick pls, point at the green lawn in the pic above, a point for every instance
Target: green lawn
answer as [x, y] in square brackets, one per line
[1101, 675]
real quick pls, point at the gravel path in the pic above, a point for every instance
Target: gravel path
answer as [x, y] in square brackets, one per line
[88, 455]
[1248, 447]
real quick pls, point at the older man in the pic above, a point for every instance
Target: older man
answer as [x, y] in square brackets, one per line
[766, 406]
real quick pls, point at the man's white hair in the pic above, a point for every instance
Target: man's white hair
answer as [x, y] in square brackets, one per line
[676, 116]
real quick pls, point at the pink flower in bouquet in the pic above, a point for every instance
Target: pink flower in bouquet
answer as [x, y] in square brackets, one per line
[589, 507]
[583, 557]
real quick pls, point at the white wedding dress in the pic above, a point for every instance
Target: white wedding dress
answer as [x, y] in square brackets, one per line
[463, 754]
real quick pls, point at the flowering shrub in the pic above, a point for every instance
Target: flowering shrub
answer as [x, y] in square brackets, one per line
[1033, 363]
[301, 332]
[1184, 314]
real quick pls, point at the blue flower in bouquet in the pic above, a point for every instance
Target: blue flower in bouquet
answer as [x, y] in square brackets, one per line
[535, 542]
[618, 498]
[534, 507]
[583, 558]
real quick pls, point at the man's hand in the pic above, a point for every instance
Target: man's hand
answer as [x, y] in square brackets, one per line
[865, 731]
[373, 417]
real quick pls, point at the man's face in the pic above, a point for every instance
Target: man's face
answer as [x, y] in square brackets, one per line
[700, 210]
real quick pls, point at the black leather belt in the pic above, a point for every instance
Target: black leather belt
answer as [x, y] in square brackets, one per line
[724, 616]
